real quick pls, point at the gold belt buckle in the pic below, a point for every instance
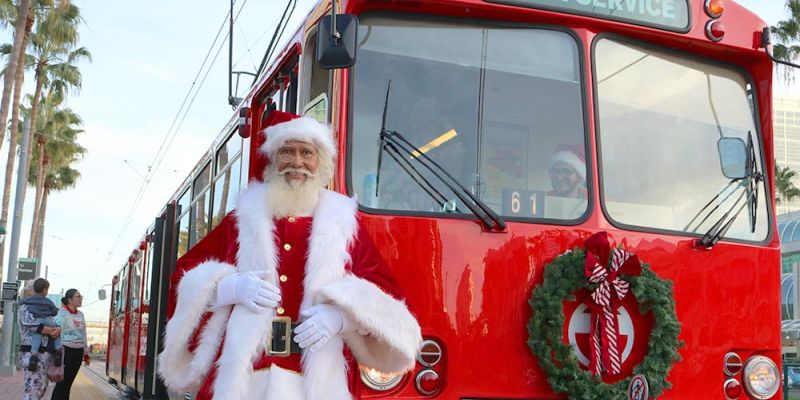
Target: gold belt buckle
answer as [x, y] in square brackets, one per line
[280, 339]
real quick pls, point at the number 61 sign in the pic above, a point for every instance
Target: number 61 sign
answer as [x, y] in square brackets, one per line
[523, 203]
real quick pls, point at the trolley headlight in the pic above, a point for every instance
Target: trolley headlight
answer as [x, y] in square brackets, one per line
[761, 377]
[379, 380]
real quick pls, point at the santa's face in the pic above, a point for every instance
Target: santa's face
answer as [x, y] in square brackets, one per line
[564, 179]
[297, 161]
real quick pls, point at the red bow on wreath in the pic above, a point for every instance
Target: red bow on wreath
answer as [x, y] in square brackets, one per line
[605, 357]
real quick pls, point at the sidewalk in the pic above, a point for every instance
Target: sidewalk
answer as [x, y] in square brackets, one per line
[83, 388]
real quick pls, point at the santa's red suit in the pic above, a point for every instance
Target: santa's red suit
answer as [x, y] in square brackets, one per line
[220, 351]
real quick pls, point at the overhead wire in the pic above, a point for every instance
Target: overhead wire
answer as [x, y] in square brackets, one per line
[275, 37]
[172, 131]
[109, 155]
[184, 108]
[247, 45]
[269, 28]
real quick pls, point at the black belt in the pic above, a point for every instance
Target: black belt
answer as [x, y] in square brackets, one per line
[283, 330]
[24, 348]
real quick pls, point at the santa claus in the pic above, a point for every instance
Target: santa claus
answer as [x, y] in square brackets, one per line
[281, 294]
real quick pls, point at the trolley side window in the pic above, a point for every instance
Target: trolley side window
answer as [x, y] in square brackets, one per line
[228, 180]
[121, 296]
[136, 283]
[500, 108]
[316, 83]
[183, 223]
[148, 272]
[665, 121]
[198, 224]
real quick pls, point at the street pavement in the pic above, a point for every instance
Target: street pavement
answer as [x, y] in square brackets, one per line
[90, 384]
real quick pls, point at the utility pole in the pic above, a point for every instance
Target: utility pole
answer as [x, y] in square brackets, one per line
[7, 367]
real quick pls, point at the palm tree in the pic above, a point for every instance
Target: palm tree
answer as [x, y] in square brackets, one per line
[784, 186]
[60, 179]
[788, 34]
[55, 36]
[62, 77]
[60, 154]
[56, 136]
[24, 23]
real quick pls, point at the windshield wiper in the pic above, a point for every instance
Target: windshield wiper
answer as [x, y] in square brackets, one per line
[415, 175]
[490, 219]
[750, 195]
[752, 185]
[381, 142]
[718, 230]
[389, 143]
[710, 202]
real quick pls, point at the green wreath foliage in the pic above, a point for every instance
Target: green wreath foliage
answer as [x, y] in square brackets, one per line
[562, 279]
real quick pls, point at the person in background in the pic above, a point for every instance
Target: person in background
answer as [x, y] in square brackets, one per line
[73, 338]
[29, 325]
[43, 309]
[567, 170]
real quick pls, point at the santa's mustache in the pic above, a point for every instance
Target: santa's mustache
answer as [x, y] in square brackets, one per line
[297, 171]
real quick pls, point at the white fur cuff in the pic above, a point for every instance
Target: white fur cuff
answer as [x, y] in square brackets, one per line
[180, 368]
[394, 334]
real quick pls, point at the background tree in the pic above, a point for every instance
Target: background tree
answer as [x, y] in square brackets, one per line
[21, 30]
[785, 188]
[57, 133]
[787, 33]
[62, 178]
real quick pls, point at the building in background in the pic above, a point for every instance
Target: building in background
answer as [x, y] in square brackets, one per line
[97, 336]
[789, 232]
[786, 120]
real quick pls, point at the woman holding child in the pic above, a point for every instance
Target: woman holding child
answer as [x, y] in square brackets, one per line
[73, 338]
[38, 332]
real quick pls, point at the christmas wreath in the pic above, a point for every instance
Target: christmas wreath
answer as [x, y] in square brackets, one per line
[609, 273]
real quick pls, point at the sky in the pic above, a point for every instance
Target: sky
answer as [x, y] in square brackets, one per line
[146, 58]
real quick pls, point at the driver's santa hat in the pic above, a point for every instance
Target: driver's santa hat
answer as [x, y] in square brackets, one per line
[282, 127]
[571, 155]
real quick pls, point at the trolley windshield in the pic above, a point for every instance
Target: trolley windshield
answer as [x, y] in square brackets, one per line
[501, 109]
[662, 119]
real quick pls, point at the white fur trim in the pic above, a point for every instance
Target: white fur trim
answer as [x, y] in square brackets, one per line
[325, 371]
[332, 232]
[247, 332]
[304, 129]
[254, 223]
[394, 334]
[281, 384]
[181, 369]
[245, 338]
[569, 158]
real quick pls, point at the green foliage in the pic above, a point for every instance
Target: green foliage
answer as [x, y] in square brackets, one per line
[784, 187]
[60, 126]
[562, 279]
[8, 13]
[787, 33]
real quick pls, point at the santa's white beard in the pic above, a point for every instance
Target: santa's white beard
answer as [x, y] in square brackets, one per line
[292, 197]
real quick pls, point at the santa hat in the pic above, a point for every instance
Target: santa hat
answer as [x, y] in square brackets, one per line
[570, 155]
[283, 127]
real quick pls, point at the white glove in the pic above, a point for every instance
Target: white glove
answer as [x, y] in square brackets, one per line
[320, 323]
[248, 289]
